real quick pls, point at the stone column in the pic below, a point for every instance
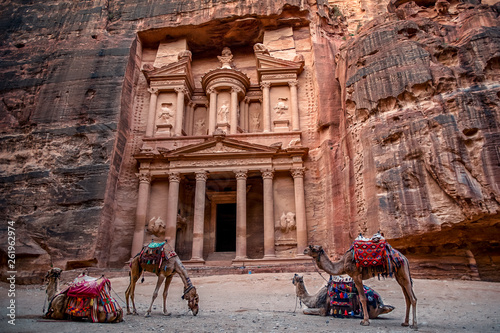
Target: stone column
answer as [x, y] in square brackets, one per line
[199, 215]
[247, 114]
[294, 104]
[233, 117]
[212, 114]
[241, 215]
[267, 176]
[300, 209]
[172, 206]
[179, 115]
[150, 125]
[242, 115]
[140, 215]
[190, 118]
[266, 109]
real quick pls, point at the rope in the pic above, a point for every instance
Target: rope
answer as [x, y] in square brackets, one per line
[317, 270]
[117, 295]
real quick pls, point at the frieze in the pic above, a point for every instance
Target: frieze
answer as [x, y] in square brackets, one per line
[167, 83]
[278, 77]
[206, 164]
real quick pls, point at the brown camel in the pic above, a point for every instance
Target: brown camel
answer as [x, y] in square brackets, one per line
[58, 301]
[319, 303]
[165, 272]
[347, 265]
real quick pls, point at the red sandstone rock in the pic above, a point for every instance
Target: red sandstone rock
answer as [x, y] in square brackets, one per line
[403, 138]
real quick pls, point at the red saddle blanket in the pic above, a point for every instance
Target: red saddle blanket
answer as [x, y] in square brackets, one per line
[369, 253]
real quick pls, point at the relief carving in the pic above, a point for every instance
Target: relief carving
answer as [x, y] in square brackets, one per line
[280, 107]
[287, 222]
[222, 113]
[226, 58]
[255, 121]
[199, 127]
[156, 226]
[166, 113]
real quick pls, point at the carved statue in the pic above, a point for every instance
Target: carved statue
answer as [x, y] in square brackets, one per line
[280, 107]
[223, 112]
[260, 48]
[287, 222]
[199, 127]
[156, 226]
[256, 120]
[166, 114]
[226, 58]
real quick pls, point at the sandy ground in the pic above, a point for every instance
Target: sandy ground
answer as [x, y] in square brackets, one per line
[266, 303]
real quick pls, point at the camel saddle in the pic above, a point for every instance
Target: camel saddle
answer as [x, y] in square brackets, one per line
[344, 297]
[154, 253]
[370, 253]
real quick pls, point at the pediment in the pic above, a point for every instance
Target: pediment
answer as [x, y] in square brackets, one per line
[267, 62]
[175, 71]
[217, 148]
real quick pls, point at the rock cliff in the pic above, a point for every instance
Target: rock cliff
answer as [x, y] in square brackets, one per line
[405, 123]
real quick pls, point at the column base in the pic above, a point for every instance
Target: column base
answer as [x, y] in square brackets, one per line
[194, 262]
[269, 256]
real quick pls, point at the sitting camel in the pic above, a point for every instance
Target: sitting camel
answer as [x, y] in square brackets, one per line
[347, 265]
[319, 303]
[164, 271]
[58, 301]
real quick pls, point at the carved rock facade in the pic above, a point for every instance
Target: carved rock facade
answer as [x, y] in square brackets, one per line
[138, 120]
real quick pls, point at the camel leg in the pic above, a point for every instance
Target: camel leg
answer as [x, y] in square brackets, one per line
[155, 294]
[362, 299]
[165, 293]
[404, 280]
[131, 291]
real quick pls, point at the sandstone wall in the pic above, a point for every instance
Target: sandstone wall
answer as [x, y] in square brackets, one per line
[403, 127]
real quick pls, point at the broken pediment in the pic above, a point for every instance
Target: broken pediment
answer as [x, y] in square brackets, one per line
[268, 65]
[172, 73]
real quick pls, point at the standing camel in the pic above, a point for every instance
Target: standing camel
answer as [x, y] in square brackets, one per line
[347, 265]
[165, 272]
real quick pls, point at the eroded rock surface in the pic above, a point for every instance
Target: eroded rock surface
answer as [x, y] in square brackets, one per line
[401, 115]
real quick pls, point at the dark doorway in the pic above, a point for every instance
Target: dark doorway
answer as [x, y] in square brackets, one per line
[225, 234]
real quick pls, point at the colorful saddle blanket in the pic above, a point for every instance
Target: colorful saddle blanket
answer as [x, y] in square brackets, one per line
[155, 253]
[344, 298]
[377, 254]
[85, 295]
[370, 253]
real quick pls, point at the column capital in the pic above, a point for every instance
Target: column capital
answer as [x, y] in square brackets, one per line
[241, 174]
[236, 90]
[191, 104]
[293, 83]
[154, 91]
[181, 90]
[267, 173]
[211, 90]
[174, 177]
[144, 177]
[201, 175]
[297, 172]
[265, 84]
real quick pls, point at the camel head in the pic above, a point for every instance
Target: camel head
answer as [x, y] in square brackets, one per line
[192, 297]
[53, 274]
[297, 279]
[313, 250]
[52, 279]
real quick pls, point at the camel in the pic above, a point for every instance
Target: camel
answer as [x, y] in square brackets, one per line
[347, 265]
[58, 300]
[319, 303]
[165, 272]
